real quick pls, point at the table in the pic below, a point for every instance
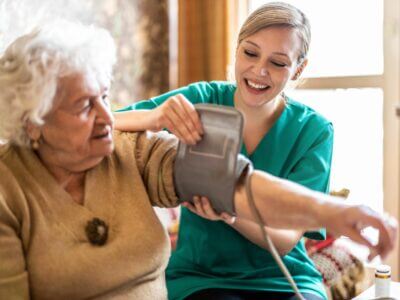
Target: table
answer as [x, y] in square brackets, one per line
[370, 292]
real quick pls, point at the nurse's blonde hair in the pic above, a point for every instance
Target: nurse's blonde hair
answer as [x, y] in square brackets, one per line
[278, 14]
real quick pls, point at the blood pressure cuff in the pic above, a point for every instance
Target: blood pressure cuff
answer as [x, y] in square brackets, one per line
[212, 167]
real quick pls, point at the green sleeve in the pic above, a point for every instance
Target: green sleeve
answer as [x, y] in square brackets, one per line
[199, 92]
[313, 169]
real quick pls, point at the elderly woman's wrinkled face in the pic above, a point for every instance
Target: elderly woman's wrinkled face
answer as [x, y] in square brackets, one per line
[79, 129]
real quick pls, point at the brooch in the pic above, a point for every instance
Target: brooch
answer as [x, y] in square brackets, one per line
[97, 231]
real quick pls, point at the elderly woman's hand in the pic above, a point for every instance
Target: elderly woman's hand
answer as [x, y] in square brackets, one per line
[203, 208]
[179, 116]
[351, 220]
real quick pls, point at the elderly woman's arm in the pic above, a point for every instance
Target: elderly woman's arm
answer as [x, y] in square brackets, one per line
[155, 156]
[284, 204]
[13, 274]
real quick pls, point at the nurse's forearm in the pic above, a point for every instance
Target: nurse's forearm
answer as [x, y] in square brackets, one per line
[282, 204]
[283, 239]
[134, 120]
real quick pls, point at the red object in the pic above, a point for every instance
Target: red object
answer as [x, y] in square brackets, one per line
[313, 246]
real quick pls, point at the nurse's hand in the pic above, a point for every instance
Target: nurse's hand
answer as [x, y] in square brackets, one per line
[179, 116]
[203, 208]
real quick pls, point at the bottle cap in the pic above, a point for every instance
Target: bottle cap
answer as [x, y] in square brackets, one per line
[383, 269]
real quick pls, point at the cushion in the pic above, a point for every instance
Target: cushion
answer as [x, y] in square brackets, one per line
[341, 271]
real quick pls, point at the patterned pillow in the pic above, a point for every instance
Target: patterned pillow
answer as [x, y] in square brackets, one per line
[342, 271]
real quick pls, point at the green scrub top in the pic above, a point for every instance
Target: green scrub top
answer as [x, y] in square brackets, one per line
[211, 254]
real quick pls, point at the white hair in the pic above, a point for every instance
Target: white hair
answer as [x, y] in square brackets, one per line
[31, 66]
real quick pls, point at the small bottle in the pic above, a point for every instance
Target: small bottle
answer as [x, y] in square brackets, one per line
[382, 281]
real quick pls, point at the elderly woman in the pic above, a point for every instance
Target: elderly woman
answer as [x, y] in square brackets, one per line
[76, 216]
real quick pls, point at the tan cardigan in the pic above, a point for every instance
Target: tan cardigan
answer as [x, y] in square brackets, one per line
[44, 251]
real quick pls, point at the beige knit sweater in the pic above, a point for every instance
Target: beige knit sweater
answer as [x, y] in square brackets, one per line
[44, 251]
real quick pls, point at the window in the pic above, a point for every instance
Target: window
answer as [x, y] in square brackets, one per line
[346, 36]
[357, 116]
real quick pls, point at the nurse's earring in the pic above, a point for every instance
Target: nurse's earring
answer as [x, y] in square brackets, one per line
[296, 75]
[300, 69]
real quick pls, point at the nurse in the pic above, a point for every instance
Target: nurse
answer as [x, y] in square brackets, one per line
[228, 260]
